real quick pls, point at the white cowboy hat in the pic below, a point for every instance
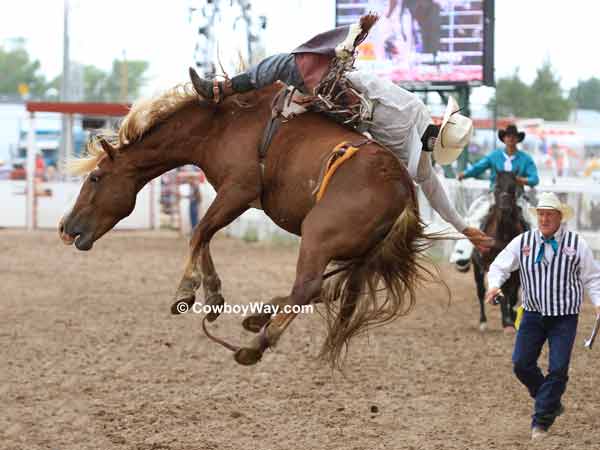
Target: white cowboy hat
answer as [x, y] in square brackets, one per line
[455, 133]
[549, 200]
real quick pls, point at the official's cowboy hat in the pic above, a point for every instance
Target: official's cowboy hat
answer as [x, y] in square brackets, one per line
[455, 133]
[511, 130]
[549, 200]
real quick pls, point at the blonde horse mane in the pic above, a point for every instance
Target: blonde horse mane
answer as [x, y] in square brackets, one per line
[143, 115]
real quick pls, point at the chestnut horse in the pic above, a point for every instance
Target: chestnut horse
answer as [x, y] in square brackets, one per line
[367, 219]
[503, 223]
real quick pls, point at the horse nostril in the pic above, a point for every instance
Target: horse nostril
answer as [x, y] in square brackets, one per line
[61, 225]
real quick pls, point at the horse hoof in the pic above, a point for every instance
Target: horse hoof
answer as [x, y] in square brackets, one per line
[509, 330]
[255, 322]
[183, 306]
[214, 300]
[247, 356]
[483, 326]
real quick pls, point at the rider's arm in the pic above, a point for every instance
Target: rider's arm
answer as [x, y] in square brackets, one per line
[531, 173]
[479, 167]
[506, 262]
[435, 194]
[392, 7]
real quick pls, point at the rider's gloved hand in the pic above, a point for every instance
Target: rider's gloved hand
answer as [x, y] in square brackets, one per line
[522, 181]
[479, 239]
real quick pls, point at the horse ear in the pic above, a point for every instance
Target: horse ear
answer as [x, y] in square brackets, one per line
[108, 149]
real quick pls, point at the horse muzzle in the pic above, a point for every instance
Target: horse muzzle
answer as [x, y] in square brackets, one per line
[72, 234]
[505, 202]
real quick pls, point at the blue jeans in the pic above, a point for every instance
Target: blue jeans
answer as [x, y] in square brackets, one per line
[193, 214]
[533, 332]
[276, 67]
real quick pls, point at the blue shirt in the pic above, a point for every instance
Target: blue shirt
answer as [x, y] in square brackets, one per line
[522, 166]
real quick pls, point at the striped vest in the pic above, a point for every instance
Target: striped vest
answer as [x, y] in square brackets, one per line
[551, 288]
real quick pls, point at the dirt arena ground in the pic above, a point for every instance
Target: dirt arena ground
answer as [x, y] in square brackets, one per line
[91, 358]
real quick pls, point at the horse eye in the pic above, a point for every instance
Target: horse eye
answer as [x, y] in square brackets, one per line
[94, 178]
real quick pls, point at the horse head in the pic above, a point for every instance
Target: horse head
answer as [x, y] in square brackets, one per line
[157, 135]
[505, 191]
[107, 195]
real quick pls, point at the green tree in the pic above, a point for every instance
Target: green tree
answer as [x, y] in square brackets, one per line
[102, 86]
[547, 97]
[94, 84]
[543, 99]
[115, 87]
[586, 94]
[17, 68]
[513, 97]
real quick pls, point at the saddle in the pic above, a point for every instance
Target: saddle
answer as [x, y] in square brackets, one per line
[323, 61]
[287, 104]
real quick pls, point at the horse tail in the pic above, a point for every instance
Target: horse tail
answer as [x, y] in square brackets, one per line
[393, 268]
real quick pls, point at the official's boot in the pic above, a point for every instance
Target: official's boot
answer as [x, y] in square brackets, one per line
[216, 91]
[538, 433]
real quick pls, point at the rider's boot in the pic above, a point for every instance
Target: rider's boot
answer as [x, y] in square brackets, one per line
[216, 91]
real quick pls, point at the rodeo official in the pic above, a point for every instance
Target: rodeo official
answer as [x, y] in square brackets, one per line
[555, 265]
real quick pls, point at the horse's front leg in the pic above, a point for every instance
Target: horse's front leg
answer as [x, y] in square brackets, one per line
[185, 296]
[480, 284]
[231, 201]
[511, 292]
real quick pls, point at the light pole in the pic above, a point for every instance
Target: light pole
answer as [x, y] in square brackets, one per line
[66, 127]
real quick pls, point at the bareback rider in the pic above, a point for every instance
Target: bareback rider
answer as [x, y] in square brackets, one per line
[399, 119]
[509, 159]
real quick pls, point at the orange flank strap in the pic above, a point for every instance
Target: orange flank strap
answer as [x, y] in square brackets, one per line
[340, 154]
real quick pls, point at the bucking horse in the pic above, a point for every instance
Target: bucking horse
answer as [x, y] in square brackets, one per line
[366, 222]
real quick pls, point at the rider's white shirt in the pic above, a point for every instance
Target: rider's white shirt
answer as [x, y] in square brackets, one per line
[399, 120]
[396, 112]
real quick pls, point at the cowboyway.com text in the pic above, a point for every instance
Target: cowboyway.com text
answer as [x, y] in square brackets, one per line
[246, 309]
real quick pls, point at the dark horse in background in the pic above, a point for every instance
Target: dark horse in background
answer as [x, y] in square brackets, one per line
[367, 220]
[503, 223]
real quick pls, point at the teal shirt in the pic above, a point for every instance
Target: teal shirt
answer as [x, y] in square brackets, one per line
[522, 166]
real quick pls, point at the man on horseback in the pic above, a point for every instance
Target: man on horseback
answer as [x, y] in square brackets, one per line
[509, 159]
[394, 117]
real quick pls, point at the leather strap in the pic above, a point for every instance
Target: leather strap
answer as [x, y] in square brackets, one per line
[216, 91]
[273, 124]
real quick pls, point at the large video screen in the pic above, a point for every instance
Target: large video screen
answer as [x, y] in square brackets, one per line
[427, 41]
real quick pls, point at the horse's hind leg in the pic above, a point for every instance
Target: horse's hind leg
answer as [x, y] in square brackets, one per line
[230, 203]
[255, 322]
[479, 282]
[307, 286]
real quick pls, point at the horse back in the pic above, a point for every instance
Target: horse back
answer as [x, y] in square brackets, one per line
[373, 179]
